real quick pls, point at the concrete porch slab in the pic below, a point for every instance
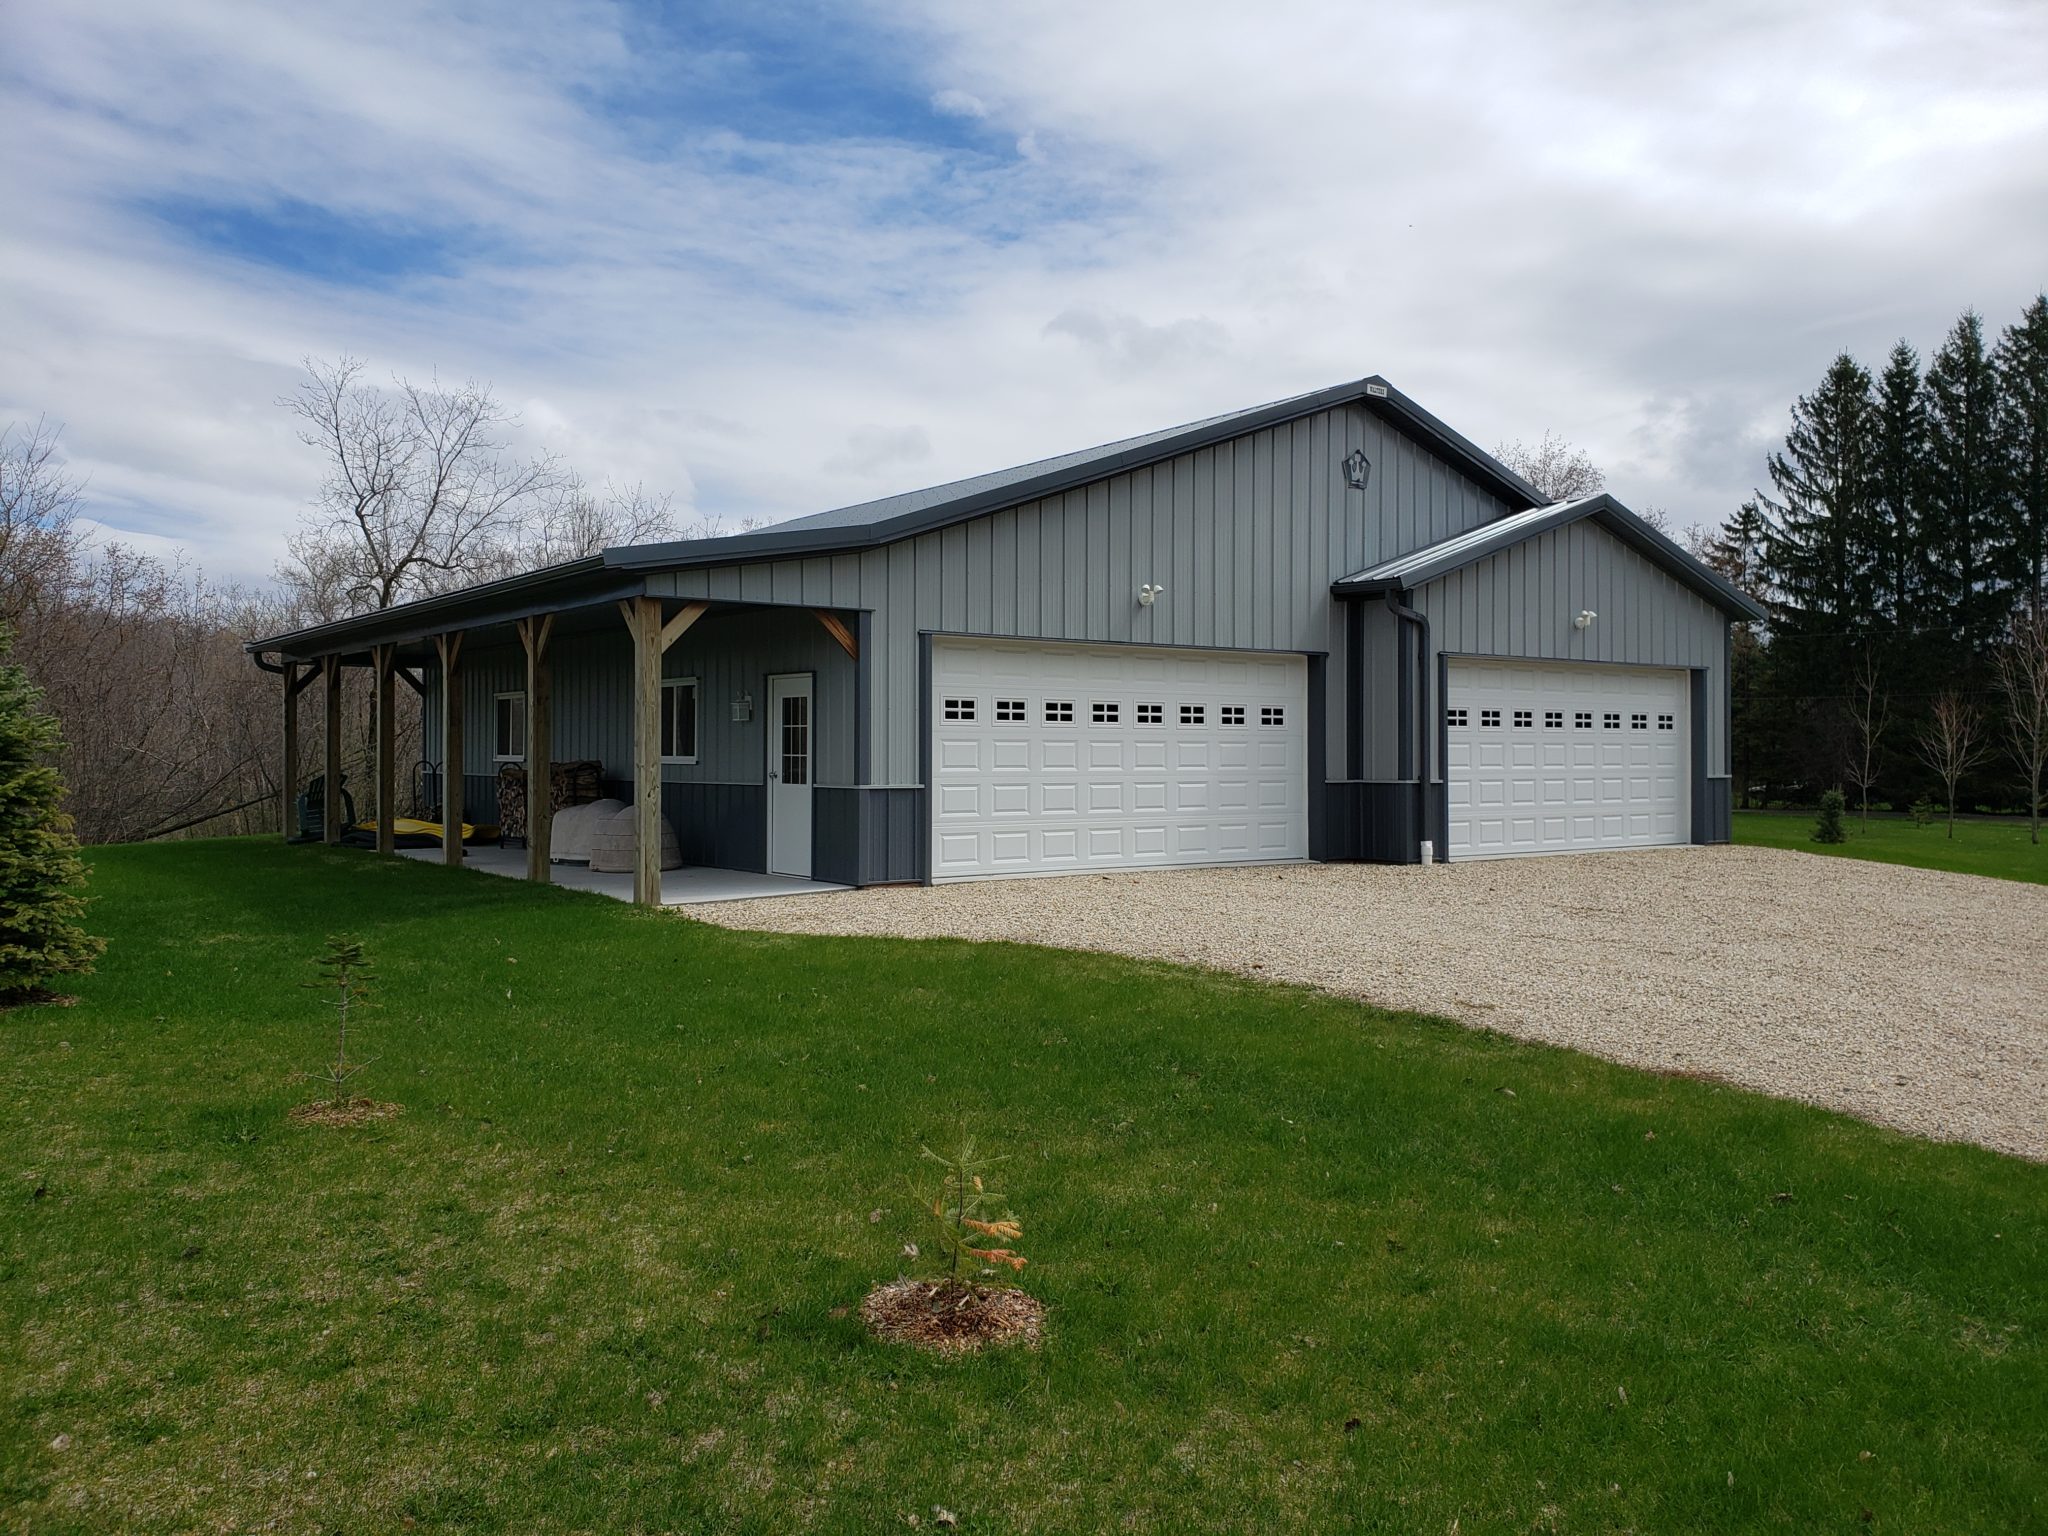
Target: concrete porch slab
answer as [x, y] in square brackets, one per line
[679, 887]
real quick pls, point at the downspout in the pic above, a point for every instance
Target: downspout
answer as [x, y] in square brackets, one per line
[1416, 722]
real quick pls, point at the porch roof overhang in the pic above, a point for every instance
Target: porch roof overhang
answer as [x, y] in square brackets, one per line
[1419, 567]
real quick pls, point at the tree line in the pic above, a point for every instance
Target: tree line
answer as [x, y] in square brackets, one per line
[1901, 550]
[165, 726]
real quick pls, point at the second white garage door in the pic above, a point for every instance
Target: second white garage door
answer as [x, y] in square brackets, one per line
[1559, 759]
[1052, 758]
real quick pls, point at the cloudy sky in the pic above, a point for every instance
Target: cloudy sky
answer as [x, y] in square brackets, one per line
[779, 257]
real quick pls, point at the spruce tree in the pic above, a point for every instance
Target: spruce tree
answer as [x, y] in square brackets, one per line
[40, 909]
[1964, 535]
[1819, 548]
[1899, 482]
[2022, 363]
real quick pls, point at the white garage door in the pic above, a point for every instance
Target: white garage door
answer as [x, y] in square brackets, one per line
[1052, 758]
[1559, 759]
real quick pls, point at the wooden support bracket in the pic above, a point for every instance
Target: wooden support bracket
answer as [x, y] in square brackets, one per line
[836, 628]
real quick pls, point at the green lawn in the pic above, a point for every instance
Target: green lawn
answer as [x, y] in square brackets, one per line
[1981, 846]
[1309, 1267]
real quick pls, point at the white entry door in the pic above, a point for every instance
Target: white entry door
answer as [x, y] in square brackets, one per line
[1048, 759]
[790, 743]
[1566, 757]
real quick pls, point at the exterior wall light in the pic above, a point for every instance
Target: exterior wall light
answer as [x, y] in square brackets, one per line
[1585, 619]
[1357, 469]
[1148, 594]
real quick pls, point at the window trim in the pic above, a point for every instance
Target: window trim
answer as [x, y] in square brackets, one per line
[696, 720]
[508, 757]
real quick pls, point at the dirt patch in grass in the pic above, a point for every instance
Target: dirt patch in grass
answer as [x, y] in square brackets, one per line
[348, 1112]
[951, 1320]
[37, 997]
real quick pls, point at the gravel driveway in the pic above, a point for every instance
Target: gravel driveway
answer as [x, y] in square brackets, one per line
[1910, 997]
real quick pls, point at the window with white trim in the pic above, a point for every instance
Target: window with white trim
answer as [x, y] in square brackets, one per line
[679, 720]
[1639, 722]
[1009, 711]
[508, 728]
[1553, 719]
[1151, 714]
[1102, 714]
[1524, 718]
[1192, 714]
[1611, 721]
[1583, 719]
[1059, 712]
[1489, 717]
[1456, 717]
[959, 709]
[1273, 714]
[1233, 714]
[1666, 723]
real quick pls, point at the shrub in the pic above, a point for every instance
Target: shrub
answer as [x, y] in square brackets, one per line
[1828, 829]
[1923, 811]
[42, 935]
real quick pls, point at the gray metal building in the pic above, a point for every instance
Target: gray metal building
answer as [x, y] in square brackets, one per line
[1326, 628]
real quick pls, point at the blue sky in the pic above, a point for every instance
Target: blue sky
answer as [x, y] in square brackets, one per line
[773, 258]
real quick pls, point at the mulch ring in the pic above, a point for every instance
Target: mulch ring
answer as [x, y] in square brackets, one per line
[348, 1112]
[951, 1319]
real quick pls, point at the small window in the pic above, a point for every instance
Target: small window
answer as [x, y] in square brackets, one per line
[1058, 712]
[1151, 714]
[1272, 714]
[1456, 717]
[1009, 710]
[1103, 714]
[1612, 722]
[959, 709]
[1489, 717]
[1232, 714]
[1583, 719]
[1553, 719]
[1639, 722]
[679, 720]
[1193, 714]
[508, 739]
[1666, 723]
[1524, 718]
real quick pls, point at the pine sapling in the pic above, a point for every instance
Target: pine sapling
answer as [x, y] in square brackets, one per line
[345, 976]
[963, 1210]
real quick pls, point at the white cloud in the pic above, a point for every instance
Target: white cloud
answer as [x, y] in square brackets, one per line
[958, 104]
[1643, 228]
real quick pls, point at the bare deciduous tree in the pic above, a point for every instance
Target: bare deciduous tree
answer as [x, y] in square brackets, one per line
[39, 542]
[2021, 667]
[578, 522]
[1869, 710]
[421, 492]
[1557, 469]
[1951, 743]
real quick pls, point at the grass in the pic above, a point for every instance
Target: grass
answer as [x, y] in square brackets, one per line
[1309, 1266]
[1982, 845]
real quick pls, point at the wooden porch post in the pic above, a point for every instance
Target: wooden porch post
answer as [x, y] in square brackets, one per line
[651, 640]
[384, 659]
[453, 811]
[288, 770]
[540, 775]
[330, 800]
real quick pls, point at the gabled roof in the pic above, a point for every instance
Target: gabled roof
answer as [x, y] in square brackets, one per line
[1421, 566]
[871, 523]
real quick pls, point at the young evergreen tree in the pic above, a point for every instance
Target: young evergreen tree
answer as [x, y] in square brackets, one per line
[1819, 550]
[1964, 534]
[1736, 551]
[2022, 363]
[41, 937]
[1899, 482]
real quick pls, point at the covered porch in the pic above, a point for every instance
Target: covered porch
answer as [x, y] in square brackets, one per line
[735, 724]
